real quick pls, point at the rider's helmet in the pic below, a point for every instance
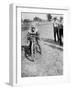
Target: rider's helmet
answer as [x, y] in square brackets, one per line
[55, 18]
[32, 29]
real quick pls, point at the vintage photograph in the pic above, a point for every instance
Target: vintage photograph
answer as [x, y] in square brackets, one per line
[41, 44]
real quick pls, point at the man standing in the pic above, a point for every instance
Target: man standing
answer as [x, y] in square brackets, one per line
[55, 26]
[61, 30]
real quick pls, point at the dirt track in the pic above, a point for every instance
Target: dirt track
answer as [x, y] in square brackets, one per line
[49, 63]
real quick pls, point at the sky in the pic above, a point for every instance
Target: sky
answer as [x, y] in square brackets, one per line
[32, 15]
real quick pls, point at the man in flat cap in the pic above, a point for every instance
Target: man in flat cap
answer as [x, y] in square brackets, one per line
[55, 26]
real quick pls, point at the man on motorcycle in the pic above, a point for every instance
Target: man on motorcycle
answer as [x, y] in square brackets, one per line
[33, 37]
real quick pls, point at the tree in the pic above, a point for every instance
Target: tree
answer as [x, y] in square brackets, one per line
[26, 21]
[37, 19]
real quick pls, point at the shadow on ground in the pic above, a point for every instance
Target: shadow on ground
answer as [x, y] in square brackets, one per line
[53, 44]
[54, 47]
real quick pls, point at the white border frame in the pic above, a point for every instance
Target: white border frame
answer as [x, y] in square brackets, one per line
[15, 46]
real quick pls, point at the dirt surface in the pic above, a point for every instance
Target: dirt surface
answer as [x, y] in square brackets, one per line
[49, 63]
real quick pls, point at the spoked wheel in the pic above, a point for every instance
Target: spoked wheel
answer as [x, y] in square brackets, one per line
[30, 55]
[34, 48]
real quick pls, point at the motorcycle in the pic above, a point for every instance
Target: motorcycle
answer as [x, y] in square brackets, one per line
[33, 47]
